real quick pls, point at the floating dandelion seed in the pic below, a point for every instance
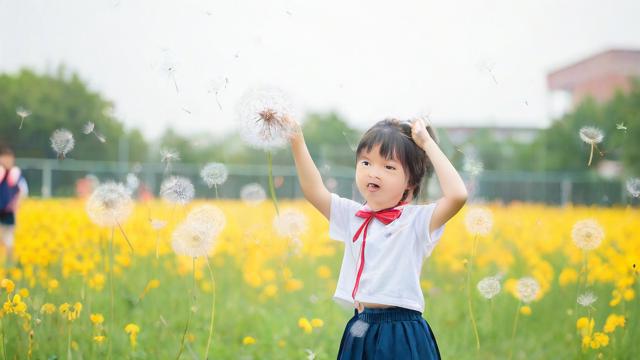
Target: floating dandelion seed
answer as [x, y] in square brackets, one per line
[253, 194]
[479, 221]
[89, 128]
[209, 217]
[350, 143]
[110, 205]
[621, 127]
[290, 223]
[489, 287]
[62, 142]
[633, 187]
[473, 166]
[177, 190]
[486, 65]
[217, 85]
[23, 113]
[587, 234]
[527, 289]
[191, 239]
[591, 136]
[310, 354]
[359, 328]
[167, 157]
[169, 68]
[214, 174]
[587, 299]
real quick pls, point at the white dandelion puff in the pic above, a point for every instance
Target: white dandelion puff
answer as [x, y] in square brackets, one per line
[310, 354]
[489, 287]
[88, 128]
[109, 204]
[62, 142]
[633, 187]
[177, 190]
[587, 299]
[473, 166]
[253, 194]
[23, 113]
[479, 221]
[208, 216]
[168, 156]
[527, 289]
[592, 136]
[191, 239]
[359, 328]
[214, 174]
[621, 126]
[262, 114]
[290, 223]
[587, 234]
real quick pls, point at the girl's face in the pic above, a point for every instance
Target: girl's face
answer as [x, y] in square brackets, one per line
[381, 182]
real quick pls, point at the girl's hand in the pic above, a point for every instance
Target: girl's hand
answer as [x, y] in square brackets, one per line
[419, 132]
[294, 128]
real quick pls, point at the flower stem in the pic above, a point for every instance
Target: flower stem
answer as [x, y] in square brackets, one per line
[473, 320]
[69, 341]
[4, 349]
[193, 296]
[513, 332]
[213, 308]
[272, 188]
[590, 155]
[111, 297]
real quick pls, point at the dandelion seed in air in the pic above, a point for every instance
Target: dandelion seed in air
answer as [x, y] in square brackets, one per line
[621, 127]
[62, 142]
[216, 86]
[472, 166]
[169, 68]
[167, 157]
[591, 136]
[23, 113]
[89, 128]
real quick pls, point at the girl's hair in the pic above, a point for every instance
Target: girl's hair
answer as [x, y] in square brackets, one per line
[394, 138]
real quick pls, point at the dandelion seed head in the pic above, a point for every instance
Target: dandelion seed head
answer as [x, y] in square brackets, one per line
[261, 113]
[169, 155]
[177, 190]
[109, 205]
[359, 328]
[527, 289]
[208, 216]
[479, 221]
[591, 135]
[489, 287]
[587, 234]
[192, 239]
[253, 194]
[62, 142]
[473, 166]
[88, 128]
[587, 299]
[290, 223]
[214, 174]
[633, 187]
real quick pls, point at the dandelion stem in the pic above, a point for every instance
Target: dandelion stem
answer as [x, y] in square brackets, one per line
[4, 349]
[69, 340]
[215, 186]
[213, 308]
[157, 244]
[193, 298]
[111, 297]
[473, 320]
[125, 236]
[21, 121]
[272, 188]
[513, 332]
[590, 155]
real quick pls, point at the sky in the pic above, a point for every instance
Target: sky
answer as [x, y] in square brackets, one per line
[459, 62]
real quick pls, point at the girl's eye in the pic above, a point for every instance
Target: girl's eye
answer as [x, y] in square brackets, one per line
[364, 162]
[390, 167]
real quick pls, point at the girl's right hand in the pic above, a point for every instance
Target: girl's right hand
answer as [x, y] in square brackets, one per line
[293, 126]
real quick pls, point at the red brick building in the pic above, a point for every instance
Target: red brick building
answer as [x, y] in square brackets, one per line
[599, 75]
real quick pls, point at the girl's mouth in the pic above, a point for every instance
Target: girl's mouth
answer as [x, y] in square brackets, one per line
[373, 187]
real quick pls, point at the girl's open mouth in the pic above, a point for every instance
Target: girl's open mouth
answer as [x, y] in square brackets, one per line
[372, 187]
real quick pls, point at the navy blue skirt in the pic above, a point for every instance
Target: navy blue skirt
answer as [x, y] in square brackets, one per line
[391, 333]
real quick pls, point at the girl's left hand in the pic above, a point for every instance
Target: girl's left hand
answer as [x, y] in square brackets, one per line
[419, 132]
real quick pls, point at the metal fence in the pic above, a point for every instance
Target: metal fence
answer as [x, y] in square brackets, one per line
[55, 178]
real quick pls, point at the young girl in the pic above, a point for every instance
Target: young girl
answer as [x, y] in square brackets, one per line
[387, 238]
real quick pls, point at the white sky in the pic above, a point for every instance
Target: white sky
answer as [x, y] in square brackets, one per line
[365, 59]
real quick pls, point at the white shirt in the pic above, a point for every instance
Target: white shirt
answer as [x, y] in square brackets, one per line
[393, 255]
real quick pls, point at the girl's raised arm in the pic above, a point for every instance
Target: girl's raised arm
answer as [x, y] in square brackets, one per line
[310, 180]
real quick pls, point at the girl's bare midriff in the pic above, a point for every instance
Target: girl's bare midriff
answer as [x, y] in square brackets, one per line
[361, 305]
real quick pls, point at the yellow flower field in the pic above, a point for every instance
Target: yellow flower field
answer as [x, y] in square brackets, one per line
[271, 295]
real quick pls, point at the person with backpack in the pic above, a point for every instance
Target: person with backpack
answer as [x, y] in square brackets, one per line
[13, 187]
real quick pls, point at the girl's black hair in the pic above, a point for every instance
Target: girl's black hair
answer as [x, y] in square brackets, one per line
[394, 138]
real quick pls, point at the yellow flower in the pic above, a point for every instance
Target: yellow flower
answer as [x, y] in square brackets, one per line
[52, 284]
[305, 325]
[153, 284]
[97, 281]
[567, 276]
[293, 285]
[323, 272]
[586, 341]
[612, 322]
[8, 285]
[132, 330]
[599, 340]
[317, 323]
[99, 339]
[582, 323]
[96, 319]
[525, 310]
[70, 312]
[24, 292]
[628, 294]
[248, 340]
[282, 343]
[270, 290]
[48, 309]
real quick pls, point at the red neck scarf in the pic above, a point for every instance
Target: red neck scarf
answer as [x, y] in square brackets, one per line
[385, 216]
